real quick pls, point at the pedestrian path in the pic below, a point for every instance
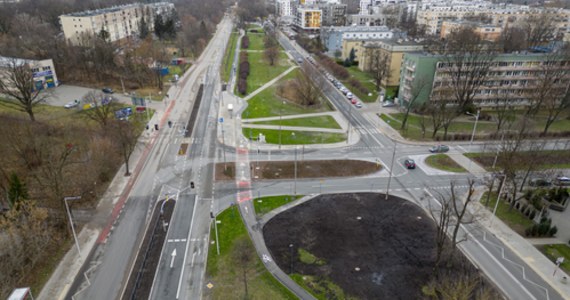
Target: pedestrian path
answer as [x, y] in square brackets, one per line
[270, 83]
[468, 164]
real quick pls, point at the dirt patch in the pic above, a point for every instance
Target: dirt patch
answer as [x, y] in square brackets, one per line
[305, 169]
[547, 158]
[390, 241]
[225, 171]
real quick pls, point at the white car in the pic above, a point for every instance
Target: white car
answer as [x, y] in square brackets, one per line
[358, 104]
[72, 104]
[388, 104]
[349, 95]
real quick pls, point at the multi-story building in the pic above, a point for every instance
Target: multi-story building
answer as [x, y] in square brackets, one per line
[308, 19]
[119, 22]
[285, 8]
[334, 14]
[514, 78]
[333, 37]
[43, 71]
[393, 50]
[486, 32]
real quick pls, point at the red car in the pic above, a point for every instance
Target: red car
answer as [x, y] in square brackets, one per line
[410, 163]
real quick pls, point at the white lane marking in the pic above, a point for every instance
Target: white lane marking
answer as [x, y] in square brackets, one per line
[186, 251]
[173, 255]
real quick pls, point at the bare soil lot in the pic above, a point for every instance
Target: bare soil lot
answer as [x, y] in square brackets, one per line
[390, 241]
[305, 169]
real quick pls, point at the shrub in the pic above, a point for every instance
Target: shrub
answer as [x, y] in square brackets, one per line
[242, 86]
[245, 42]
[553, 230]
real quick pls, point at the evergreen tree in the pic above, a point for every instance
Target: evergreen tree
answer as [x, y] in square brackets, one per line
[352, 56]
[104, 35]
[159, 26]
[17, 190]
[143, 28]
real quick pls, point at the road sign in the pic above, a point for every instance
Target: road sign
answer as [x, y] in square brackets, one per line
[221, 120]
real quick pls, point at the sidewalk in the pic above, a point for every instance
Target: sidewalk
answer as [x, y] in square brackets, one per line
[523, 248]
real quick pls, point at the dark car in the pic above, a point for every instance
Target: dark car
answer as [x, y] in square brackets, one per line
[410, 163]
[540, 182]
[107, 90]
[439, 149]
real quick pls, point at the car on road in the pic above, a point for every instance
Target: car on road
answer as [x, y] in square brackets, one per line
[107, 90]
[358, 104]
[349, 95]
[353, 101]
[439, 149]
[72, 104]
[410, 163]
[300, 60]
[388, 104]
[539, 182]
[562, 180]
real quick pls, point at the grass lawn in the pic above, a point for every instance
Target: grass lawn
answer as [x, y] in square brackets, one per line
[223, 271]
[391, 92]
[308, 258]
[366, 81]
[318, 122]
[320, 288]
[261, 72]
[555, 251]
[256, 41]
[249, 27]
[152, 91]
[444, 162]
[300, 137]
[267, 104]
[513, 218]
[42, 112]
[228, 58]
[264, 205]
[551, 159]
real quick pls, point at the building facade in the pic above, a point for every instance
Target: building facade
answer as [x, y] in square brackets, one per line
[484, 31]
[333, 37]
[43, 71]
[119, 22]
[334, 14]
[513, 78]
[308, 19]
[284, 8]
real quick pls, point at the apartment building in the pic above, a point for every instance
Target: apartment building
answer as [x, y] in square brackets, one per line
[43, 71]
[334, 14]
[119, 22]
[285, 8]
[394, 50]
[308, 19]
[484, 31]
[333, 37]
[512, 77]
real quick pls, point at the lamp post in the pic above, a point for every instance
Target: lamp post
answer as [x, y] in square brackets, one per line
[295, 182]
[498, 150]
[71, 221]
[474, 126]
[290, 258]
[499, 196]
[280, 121]
[391, 167]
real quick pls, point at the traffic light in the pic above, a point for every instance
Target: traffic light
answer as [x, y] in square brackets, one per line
[192, 184]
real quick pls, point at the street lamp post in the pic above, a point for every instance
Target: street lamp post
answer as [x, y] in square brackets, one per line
[499, 196]
[498, 150]
[295, 182]
[290, 258]
[474, 126]
[391, 167]
[280, 121]
[71, 221]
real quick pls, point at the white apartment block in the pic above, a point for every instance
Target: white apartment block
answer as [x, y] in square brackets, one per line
[119, 22]
[284, 8]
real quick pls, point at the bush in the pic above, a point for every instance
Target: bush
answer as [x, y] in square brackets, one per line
[245, 42]
[552, 231]
[242, 86]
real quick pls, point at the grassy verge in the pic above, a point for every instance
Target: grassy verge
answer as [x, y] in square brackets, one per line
[42, 112]
[513, 218]
[308, 258]
[555, 251]
[366, 81]
[318, 122]
[43, 271]
[551, 159]
[261, 72]
[264, 205]
[228, 58]
[256, 41]
[267, 104]
[300, 137]
[444, 162]
[320, 288]
[223, 270]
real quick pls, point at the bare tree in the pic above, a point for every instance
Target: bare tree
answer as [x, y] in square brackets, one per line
[504, 112]
[17, 82]
[243, 256]
[307, 91]
[102, 108]
[126, 135]
[513, 39]
[538, 28]
[416, 89]
[271, 54]
[379, 66]
[453, 212]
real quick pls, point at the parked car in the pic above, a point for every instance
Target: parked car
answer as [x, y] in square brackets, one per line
[349, 95]
[439, 149]
[540, 182]
[410, 163]
[300, 60]
[72, 104]
[353, 101]
[107, 90]
[388, 104]
[358, 104]
[562, 180]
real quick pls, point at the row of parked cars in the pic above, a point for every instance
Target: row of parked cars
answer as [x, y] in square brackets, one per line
[560, 181]
[350, 96]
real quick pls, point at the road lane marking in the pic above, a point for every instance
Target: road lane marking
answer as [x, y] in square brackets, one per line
[186, 251]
